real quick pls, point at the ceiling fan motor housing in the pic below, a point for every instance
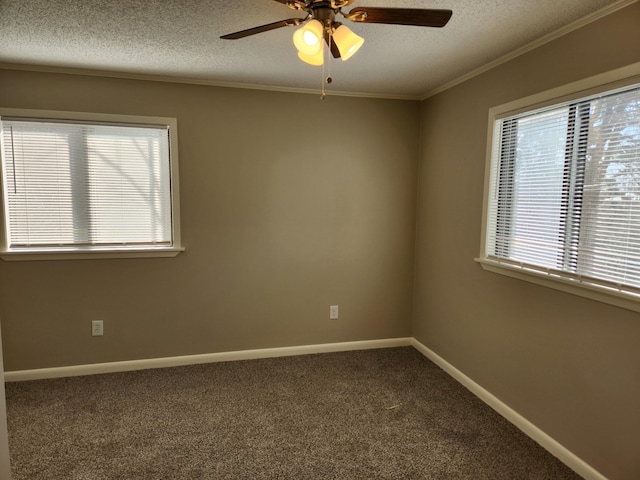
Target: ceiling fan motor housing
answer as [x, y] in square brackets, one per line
[324, 12]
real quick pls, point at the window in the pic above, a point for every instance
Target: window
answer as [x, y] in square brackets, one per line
[563, 194]
[88, 184]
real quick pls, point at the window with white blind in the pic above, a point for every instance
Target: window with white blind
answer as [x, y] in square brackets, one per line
[563, 194]
[88, 184]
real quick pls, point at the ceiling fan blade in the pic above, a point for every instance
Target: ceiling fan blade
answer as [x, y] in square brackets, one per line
[263, 28]
[332, 45]
[401, 16]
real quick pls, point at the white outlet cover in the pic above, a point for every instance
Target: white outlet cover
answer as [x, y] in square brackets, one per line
[97, 328]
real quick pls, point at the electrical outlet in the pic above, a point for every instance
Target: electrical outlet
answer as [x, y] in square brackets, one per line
[333, 312]
[97, 328]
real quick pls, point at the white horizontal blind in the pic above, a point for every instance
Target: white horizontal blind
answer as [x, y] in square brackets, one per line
[69, 184]
[565, 191]
[610, 231]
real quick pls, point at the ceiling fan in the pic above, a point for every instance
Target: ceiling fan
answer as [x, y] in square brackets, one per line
[320, 25]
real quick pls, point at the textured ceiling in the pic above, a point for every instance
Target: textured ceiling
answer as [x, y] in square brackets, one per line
[180, 38]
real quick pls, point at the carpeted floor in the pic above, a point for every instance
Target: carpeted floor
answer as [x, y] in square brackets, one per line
[374, 414]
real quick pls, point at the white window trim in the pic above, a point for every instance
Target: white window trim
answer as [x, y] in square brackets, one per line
[592, 85]
[109, 252]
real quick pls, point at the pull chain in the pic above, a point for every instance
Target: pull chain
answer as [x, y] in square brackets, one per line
[328, 56]
[323, 95]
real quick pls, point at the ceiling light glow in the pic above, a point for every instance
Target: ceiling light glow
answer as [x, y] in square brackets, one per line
[308, 38]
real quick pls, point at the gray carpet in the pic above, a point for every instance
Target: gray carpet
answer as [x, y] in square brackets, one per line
[375, 414]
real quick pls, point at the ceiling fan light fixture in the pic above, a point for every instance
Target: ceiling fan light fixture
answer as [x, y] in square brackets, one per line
[308, 38]
[315, 60]
[347, 42]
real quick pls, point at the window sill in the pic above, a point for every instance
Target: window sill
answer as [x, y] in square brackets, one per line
[599, 293]
[16, 255]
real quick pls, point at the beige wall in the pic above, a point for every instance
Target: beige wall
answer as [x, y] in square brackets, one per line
[569, 365]
[289, 205]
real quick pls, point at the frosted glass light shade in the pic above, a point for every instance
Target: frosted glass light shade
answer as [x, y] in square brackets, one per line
[316, 60]
[308, 38]
[347, 42]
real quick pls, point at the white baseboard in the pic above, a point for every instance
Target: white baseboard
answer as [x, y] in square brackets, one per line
[552, 446]
[129, 365]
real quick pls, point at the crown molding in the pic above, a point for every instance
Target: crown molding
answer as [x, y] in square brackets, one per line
[194, 81]
[614, 7]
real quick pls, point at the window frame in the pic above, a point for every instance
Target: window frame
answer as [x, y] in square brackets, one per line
[600, 291]
[76, 253]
